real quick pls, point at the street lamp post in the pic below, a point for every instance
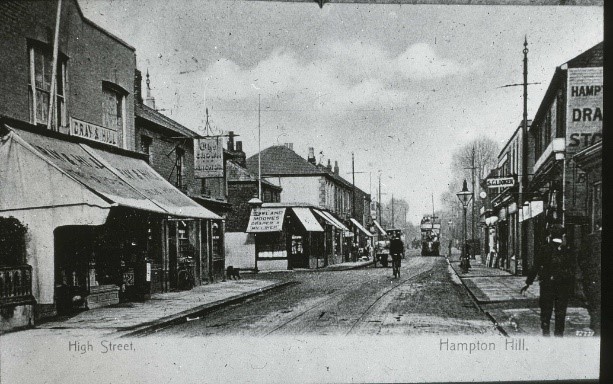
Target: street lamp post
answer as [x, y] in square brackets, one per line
[464, 196]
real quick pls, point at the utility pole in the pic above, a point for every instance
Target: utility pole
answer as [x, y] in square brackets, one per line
[524, 163]
[353, 185]
[392, 210]
[474, 203]
[379, 199]
[259, 150]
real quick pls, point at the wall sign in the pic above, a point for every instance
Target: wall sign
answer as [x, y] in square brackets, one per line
[208, 157]
[266, 220]
[584, 112]
[92, 132]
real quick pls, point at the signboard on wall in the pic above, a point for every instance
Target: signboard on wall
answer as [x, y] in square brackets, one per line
[266, 220]
[584, 112]
[92, 132]
[208, 157]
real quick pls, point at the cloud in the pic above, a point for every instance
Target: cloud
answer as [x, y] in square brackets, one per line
[341, 76]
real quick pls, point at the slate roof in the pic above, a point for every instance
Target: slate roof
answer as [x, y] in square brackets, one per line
[279, 160]
[237, 173]
[147, 113]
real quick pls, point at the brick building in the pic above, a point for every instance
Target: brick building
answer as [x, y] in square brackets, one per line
[92, 209]
[569, 119]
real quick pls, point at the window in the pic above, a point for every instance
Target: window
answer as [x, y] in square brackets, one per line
[41, 68]
[267, 196]
[145, 145]
[179, 166]
[112, 108]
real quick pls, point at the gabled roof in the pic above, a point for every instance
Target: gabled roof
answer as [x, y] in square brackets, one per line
[147, 113]
[279, 160]
[109, 34]
[236, 173]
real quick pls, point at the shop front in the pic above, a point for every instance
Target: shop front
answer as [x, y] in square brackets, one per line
[285, 237]
[97, 221]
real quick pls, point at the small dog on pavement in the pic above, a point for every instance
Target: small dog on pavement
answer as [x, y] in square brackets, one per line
[233, 273]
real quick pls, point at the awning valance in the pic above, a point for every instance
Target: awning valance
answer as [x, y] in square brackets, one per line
[119, 179]
[308, 221]
[381, 230]
[266, 220]
[361, 227]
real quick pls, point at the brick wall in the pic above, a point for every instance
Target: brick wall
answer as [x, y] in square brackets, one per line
[93, 57]
[162, 155]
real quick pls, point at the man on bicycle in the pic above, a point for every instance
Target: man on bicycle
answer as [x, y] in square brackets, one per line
[396, 250]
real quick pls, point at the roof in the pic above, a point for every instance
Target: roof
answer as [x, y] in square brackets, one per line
[109, 34]
[236, 173]
[519, 127]
[279, 160]
[147, 113]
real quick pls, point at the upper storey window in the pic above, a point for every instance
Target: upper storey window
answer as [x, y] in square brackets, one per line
[40, 82]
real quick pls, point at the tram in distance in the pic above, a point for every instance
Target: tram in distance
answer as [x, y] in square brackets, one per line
[430, 236]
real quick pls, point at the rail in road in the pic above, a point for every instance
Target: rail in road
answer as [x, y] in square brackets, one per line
[413, 267]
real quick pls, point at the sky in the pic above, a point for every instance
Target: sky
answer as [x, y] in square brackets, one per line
[399, 86]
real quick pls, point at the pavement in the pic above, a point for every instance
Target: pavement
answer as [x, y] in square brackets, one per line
[496, 292]
[133, 319]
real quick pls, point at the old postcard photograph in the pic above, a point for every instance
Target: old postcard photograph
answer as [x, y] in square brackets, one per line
[300, 191]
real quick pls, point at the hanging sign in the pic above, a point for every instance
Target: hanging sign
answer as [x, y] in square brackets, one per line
[208, 157]
[500, 182]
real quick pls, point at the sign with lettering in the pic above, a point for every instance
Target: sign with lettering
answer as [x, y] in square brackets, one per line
[500, 182]
[584, 112]
[208, 157]
[266, 220]
[92, 132]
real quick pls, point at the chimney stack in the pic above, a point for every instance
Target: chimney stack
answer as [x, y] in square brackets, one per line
[336, 167]
[311, 158]
[329, 166]
[231, 141]
[290, 146]
[239, 146]
[138, 84]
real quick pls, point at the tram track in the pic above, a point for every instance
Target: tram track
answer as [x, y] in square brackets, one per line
[347, 290]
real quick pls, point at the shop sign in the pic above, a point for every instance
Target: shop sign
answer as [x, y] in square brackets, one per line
[92, 132]
[584, 112]
[208, 157]
[266, 220]
[148, 272]
[500, 182]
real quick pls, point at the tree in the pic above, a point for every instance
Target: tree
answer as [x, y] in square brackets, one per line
[485, 159]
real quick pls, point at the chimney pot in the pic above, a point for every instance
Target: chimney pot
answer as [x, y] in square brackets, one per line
[239, 146]
[231, 141]
[311, 157]
[336, 167]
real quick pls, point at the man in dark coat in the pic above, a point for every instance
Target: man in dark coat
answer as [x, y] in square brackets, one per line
[396, 248]
[555, 269]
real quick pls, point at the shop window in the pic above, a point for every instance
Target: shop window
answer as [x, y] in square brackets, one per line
[112, 107]
[180, 168]
[297, 247]
[145, 145]
[12, 242]
[40, 79]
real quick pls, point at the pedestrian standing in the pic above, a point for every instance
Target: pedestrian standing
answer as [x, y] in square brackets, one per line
[555, 270]
[450, 243]
[590, 265]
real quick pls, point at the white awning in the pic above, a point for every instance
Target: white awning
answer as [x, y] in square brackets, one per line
[329, 220]
[266, 220]
[335, 220]
[309, 222]
[381, 230]
[119, 179]
[360, 227]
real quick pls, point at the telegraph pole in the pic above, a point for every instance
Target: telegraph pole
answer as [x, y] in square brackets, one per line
[353, 185]
[524, 163]
[392, 210]
[379, 199]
